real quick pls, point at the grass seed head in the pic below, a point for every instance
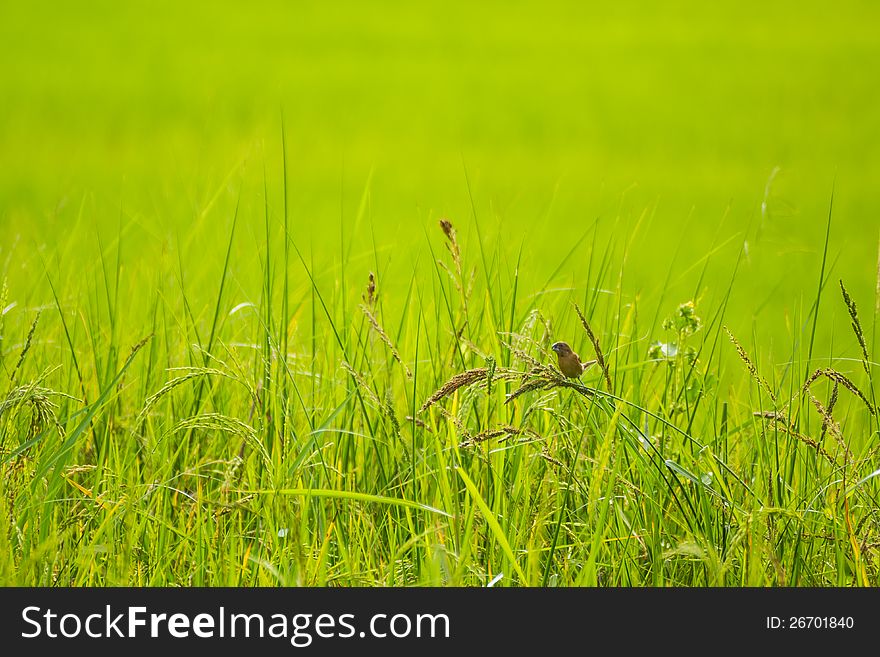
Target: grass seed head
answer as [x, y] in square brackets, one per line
[489, 434]
[750, 366]
[600, 357]
[385, 339]
[833, 375]
[362, 383]
[369, 295]
[828, 422]
[452, 241]
[779, 423]
[460, 380]
[856, 325]
[27, 346]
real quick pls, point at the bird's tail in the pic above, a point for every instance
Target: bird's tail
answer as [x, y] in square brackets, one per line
[587, 364]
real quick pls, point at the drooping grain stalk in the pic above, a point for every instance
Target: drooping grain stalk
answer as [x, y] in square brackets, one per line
[750, 366]
[385, 339]
[600, 357]
[856, 326]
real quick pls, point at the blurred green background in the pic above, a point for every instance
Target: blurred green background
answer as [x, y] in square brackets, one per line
[669, 117]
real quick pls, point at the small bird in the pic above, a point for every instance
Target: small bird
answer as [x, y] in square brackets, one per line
[569, 362]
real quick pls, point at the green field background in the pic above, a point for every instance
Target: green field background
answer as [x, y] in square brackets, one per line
[561, 112]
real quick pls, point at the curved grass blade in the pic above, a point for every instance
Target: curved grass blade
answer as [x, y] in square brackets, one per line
[493, 524]
[347, 495]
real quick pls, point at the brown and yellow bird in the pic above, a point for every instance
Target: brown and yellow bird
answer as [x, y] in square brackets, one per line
[569, 362]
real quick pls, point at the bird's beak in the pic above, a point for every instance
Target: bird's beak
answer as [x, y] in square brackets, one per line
[555, 347]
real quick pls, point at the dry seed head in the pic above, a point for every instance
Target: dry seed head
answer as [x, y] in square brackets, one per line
[27, 345]
[828, 421]
[452, 242]
[384, 336]
[750, 366]
[369, 296]
[134, 349]
[545, 454]
[140, 345]
[600, 357]
[834, 375]
[460, 380]
[488, 434]
[449, 231]
[521, 355]
[831, 402]
[856, 325]
[783, 426]
[362, 383]
[543, 377]
[390, 413]
[528, 386]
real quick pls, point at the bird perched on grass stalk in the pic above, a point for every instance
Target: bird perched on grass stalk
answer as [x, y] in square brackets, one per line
[569, 362]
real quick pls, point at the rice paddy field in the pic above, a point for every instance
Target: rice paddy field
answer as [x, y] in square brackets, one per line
[280, 282]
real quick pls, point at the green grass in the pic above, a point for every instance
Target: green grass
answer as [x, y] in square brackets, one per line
[198, 387]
